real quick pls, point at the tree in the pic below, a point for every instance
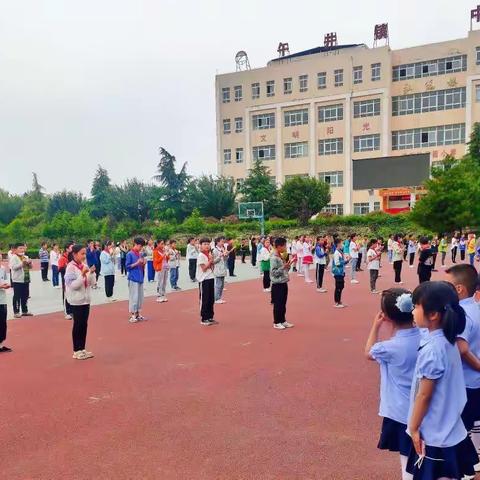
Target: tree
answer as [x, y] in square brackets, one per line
[65, 201]
[101, 193]
[474, 144]
[10, 206]
[259, 187]
[302, 197]
[37, 189]
[214, 197]
[451, 202]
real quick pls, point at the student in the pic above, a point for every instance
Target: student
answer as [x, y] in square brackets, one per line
[454, 247]
[232, 252]
[411, 249]
[442, 248]
[20, 266]
[174, 264]
[338, 272]
[434, 248]
[442, 448]
[78, 280]
[54, 257]
[219, 254]
[397, 357]
[244, 249]
[148, 250]
[44, 257]
[135, 265]
[92, 259]
[206, 283]
[264, 258]
[299, 255]
[253, 249]
[362, 253]
[307, 258]
[191, 256]
[4, 285]
[279, 268]
[390, 249]
[471, 248]
[321, 263]
[108, 269]
[63, 261]
[462, 246]
[397, 257]
[373, 263]
[425, 261]
[353, 248]
[160, 265]
[123, 257]
[464, 278]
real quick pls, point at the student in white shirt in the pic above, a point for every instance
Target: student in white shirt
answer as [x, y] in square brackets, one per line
[373, 263]
[54, 257]
[299, 252]
[354, 248]
[206, 283]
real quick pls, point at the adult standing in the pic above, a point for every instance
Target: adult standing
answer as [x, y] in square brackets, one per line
[397, 257]
[192, 256]
[108, 269]
[20, 266]
[44, 257]
[78, 280]
[64, 260]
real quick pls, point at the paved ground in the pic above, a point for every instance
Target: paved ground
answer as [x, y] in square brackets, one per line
[169, 399]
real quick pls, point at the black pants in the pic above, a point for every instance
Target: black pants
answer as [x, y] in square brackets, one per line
[207, 298]
[405, 253]
[123, 268]
[454, 254]
[339, 286]
[192, 268]
[3, 322]
[434, 260]
[424, 275]
[462, 255]
[397, 267]
[359, 262]
[44, 270]
[20, 297]
[244, 254]
[373, 279]
[279, 300]
[109, 283]
[319, 274]
[231, 265]
[80, 324]
[444, 254]
[266, 279]
[68, 307]
[254, 256]
[411, 258]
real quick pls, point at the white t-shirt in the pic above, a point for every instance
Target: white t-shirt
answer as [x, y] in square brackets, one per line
[299, 249]
[201, 275]
[54, 256]
[353, 249]
[372, 264]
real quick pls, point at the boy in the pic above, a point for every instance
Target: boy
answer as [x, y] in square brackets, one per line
[44, 257]
[4, 284]
[173, 264]
[338, 272]
[206, 283]
[160, 265]
[135, 265]
[219, 270]
[425, 261]
[354, 249]
[373, 263]
[20, 266]
[279, 277]
[192, 255]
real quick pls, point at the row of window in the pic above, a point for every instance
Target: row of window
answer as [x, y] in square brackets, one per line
[428, 68]
[428, 136]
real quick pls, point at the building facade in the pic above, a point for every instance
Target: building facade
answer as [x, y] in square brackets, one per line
[315, 113]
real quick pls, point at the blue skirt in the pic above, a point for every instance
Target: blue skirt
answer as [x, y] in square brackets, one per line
[471, 412]
[451, 462]
[394, 437]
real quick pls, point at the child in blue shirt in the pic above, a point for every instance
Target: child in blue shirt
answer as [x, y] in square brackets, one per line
[135, 266]
[397, 357]
[442, 447]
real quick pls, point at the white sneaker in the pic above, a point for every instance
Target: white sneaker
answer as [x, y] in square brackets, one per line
[133, 319]
[339, 305]
[399, 283]
[205, 323]
[354, 281]
[80, 355]
[267, 290]
[88, 354]
[288, 325]
[308, 281]
[374, 291]
[111, 299]
[219, 302]
[162, 299]
[56, 286]
[321, 290]
[68, 317]
[279, 326]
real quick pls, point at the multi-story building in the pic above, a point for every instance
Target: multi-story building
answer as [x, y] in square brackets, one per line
[369, 121]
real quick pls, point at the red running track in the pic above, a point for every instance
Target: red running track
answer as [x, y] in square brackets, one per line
[169, 399]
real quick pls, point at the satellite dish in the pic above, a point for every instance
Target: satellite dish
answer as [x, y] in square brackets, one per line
[241, 61]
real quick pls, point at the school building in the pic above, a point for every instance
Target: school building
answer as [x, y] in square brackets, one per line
[369, 121]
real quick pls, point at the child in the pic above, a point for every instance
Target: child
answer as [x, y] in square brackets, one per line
[135, 265]
[279, 267]
[264, 257]
[442, 248]
[373, 263]
[390, 249]
[107, 262]
[160, 265]
[174, 264]
[464, 278]
[397, 357]
[219, 254]
[44, 257]
[307, 259]
[20, 266]
[148, 250]
[462, 246]
[397, 257]
[338, 272]
[471, 248]
[321, 263]
[299, 254]
[192, 255]
[425, 261]
[434, 248]
[411, 249]
[353, 249]
[442, 448]
[4, 284]
[206, 283]
[62, 267]
[54, 258]
[362, 253]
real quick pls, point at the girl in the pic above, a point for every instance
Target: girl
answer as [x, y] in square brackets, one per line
[321, 263]
[397, 357]
[160, 265]
[174, 264]
[442, 448]
[373, 263]
[442, 248]
[148, 250]
[264, 258]
[108, 269]
[338, 272]
[78, 281]
[54, 257]
[307, 259]
[219, 255]
[462, 246]
[62, 267]
[411, 249]
[397, 257]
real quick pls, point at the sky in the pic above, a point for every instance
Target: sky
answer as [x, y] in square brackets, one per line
[107, 82]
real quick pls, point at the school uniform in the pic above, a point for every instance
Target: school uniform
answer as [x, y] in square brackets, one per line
[44, 257]
[279, 278]
[449, 451]
[397, 258]
[397, 358]
[191, 256]
[373, 266]
[321, 263]
[54, 258]
[462, 246]
[338, 272]
[219, 271]
[135, 277]
[411, 249]
[108, 272]
[264, 257]
[425, 265]
[206, 287]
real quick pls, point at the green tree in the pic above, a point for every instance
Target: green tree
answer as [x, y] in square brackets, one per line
[101, 193]
[302, 197]
[259, 187]
[474, 144]
[65, 201]
[10, 206]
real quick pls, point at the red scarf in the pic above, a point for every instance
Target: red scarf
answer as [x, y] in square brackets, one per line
[80, 267]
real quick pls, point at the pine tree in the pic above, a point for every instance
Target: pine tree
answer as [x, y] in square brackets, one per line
[101, 193]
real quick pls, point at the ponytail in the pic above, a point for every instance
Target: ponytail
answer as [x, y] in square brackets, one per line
[453, 321]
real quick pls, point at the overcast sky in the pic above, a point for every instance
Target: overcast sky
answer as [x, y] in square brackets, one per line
[107, 82]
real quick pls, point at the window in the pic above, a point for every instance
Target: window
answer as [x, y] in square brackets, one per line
[239, 155]
[361, 208]
[477, 92]
[330, 113]
[296, 117]
[300, 175]
[287, 85]
[334, 208]
[366, 143]
[357, 75]
[238, 92]
[376, 69]
[322, 80]
[330, 146]
[263, 121]
[366, 108]
[334, 179]
[429, 101]
[428, 136]
[226, 126]
[303, 81]
[296, 150]
[266, 152]
[430, 68]
[477, 54]
[255, 91]
[338, 77]
[226, 95]
[271, 88]
[227, 156]
[238, 124]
